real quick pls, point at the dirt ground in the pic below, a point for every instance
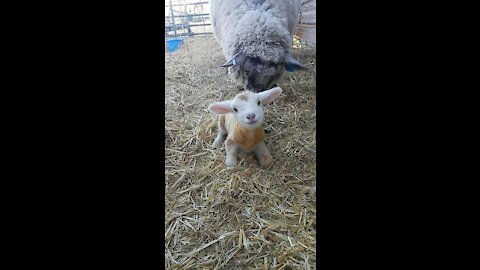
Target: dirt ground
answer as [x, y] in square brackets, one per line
[245, 217]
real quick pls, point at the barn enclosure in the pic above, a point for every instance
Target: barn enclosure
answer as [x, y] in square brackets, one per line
[244, 217]
[187, 18]
[307, 26]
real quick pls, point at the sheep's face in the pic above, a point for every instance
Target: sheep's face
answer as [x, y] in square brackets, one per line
[247, 106]
[255, 75]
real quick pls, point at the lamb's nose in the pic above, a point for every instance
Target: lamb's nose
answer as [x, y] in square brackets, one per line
[250, 116]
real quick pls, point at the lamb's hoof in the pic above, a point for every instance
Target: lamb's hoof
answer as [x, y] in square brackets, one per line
[231, 162]
[217, 144]
[265, 161]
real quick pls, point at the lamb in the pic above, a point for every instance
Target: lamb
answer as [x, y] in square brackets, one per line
[256, 39]
[240, 120]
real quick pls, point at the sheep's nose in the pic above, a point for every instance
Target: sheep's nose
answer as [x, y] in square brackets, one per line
[250, 116]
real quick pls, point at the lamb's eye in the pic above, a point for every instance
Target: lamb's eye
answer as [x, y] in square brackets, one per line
[235, 109]
[259, 103]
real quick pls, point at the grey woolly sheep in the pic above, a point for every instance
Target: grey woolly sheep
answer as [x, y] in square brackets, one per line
[256, 37]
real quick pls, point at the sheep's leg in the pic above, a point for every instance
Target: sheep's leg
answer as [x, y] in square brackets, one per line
[263, 155]
[222, 132]
[232, 153]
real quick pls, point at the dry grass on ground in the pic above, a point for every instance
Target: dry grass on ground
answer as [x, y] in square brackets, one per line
[245, 217]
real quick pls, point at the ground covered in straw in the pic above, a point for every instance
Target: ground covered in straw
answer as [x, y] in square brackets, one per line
[245, 217]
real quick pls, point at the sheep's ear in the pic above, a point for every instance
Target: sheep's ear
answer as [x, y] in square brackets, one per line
[271, 95]
[221, 107]
[291, 64]
[236, 60]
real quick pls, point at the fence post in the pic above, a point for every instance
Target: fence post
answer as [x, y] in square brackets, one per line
[173, 18]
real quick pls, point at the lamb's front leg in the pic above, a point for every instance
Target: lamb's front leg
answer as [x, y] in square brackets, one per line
[222, 132]
[232, 150]
[263, 155]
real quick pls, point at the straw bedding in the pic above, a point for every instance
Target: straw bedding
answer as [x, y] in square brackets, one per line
[245, 217]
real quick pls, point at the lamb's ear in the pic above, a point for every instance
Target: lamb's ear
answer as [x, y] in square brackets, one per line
[221, 107]
[236, 60]
[291, 64]
[271, 95]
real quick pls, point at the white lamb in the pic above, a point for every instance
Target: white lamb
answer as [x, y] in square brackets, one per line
[256, 37]
[241, 120]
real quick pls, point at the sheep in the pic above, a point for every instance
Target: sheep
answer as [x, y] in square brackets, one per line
[256, 37]
[240, 125]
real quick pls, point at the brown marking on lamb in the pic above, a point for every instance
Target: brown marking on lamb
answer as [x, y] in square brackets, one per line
[230, 142]
[243, 97]
[247, 138]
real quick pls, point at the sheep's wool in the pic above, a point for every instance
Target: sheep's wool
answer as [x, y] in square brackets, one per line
[259, 28]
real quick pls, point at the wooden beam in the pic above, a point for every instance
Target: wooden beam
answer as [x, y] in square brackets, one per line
[200, 24]
[191, 4]
[308, 25]
[189, 15]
